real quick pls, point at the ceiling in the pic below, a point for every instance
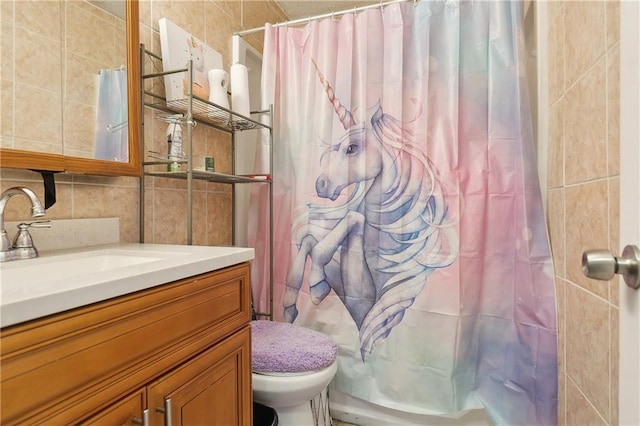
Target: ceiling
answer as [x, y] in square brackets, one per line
[298, 9]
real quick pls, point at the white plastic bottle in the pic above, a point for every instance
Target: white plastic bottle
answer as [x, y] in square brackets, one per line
[174, 138]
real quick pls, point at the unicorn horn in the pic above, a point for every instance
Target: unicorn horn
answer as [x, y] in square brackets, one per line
[343, 113]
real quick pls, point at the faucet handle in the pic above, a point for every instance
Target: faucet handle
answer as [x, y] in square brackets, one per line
[23, 238]
[23, 247]
[35, 224]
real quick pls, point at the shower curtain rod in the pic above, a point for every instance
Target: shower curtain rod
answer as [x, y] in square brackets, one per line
[323, 16]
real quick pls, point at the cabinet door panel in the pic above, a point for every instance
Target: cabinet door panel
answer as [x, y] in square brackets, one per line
[213, 388]
[127, 411]
[216, 403]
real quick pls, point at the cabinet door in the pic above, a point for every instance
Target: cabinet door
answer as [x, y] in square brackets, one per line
[212, 389]
[127, 411]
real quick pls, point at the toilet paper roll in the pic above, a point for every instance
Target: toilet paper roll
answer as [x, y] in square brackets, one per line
[240, 90]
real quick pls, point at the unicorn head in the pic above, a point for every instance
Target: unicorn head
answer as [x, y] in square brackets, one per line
[357, 156]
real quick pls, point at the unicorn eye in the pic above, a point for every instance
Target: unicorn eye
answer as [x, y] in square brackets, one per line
[352, 149]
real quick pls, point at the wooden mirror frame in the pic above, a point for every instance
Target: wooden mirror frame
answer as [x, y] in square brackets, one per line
[18, 159]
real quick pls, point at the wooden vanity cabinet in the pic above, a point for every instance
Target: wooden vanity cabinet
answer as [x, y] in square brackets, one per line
[130, 410]
[180, 350]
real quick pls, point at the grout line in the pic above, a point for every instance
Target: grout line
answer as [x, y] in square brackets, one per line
[568, 376]
[590, 292]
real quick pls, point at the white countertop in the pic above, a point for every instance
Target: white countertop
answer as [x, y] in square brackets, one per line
[67, 279]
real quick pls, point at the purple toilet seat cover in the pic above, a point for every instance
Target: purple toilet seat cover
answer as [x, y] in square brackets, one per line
[279, 347]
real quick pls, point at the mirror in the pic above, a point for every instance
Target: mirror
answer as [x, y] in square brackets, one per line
[54, 122]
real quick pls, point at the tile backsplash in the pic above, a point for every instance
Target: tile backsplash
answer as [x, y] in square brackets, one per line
[71, 233]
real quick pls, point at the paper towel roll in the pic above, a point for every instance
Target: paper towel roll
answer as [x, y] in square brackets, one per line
[240, 90]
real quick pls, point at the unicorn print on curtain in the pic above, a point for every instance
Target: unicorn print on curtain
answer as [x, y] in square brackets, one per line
[408, 219]
[393, 227]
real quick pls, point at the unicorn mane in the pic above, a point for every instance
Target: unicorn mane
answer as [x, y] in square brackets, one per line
[426, 236]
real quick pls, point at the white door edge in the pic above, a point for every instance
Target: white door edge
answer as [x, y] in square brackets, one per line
[629, 387]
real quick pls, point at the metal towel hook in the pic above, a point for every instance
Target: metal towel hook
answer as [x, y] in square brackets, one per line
[111, 128]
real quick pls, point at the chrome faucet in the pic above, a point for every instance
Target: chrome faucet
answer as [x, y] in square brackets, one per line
[22, 248]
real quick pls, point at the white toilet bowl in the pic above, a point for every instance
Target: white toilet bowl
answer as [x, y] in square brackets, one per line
[291, 395]
[292, 367]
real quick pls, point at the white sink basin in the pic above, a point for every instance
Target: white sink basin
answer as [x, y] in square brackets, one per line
[58, 281]
[71, 265]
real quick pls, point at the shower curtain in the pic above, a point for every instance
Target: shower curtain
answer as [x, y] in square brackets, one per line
[112, 137]
[408, 219]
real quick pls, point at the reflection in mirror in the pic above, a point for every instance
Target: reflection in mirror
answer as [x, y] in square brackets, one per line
[66, 73]
[95, 122]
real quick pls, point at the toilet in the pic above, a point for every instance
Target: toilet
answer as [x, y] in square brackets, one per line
[291, 369]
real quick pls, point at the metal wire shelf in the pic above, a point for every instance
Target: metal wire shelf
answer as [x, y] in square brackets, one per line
[204, 112]
[211, 176]
[191, 111]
